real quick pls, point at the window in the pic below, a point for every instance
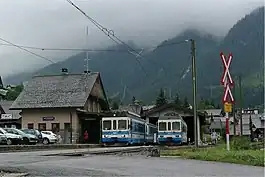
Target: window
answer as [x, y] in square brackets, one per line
[42, 126]
[47, 133]
[176, 126]
[184, 128]
[169, 126]
[122, 125]
[114, 124]
[31, 126]
[162, 126]
[55, 127]
[106, 125]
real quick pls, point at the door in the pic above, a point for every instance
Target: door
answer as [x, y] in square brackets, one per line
[67, 133]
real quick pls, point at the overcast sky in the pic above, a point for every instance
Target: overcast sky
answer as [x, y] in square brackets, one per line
[55, 23]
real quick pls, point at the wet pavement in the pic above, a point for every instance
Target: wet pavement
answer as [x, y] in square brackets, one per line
[120, 165]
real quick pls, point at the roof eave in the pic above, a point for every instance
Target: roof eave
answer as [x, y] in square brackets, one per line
[20, 108]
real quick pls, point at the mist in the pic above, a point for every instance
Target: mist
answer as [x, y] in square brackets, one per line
[57, 24]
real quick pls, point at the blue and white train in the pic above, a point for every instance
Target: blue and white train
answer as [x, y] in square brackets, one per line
[172, 130]
[129, 130]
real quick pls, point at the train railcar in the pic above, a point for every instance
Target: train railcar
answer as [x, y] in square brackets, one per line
[151, 134]
[172, 130]
[123, 130]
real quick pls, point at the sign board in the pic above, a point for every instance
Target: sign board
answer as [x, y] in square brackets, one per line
[51, 118]
[226, 73]
[228, 96]
[226, 79]
[228, 107]
[6, 116]
[171, 114]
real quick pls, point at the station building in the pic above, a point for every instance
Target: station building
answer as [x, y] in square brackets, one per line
[67, 104]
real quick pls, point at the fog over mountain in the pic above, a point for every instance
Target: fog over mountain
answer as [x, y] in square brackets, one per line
[55, 23]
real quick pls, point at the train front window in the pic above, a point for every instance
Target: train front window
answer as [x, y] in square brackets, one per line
[122, 124]
[162, 126]
[176, 126]
[106, 125]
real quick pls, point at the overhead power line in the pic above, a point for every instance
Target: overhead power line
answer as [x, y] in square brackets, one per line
[91, 50]
[110, 34]
[45, 58]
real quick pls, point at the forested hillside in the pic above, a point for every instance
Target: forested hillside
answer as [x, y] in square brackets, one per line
[165, 67]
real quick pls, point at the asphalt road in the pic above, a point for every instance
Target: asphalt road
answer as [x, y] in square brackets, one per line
[110, 165]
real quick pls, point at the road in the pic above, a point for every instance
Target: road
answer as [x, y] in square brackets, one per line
[110, 165]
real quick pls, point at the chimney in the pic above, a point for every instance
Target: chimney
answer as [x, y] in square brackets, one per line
[64, 70]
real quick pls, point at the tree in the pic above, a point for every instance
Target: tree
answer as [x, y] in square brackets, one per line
[206, 104]
[186, 104]
[212, 103]
[178, 102]
[115, 105]
[201, 104]
[161, 99]
[13, 93]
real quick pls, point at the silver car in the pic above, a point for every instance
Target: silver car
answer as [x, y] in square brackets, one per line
[3, 139]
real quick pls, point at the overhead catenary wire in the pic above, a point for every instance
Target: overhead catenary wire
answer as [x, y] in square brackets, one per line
[91, 50]
[40, 56]
[110, 34]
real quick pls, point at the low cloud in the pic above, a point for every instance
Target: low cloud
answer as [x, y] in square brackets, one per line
[55, 23]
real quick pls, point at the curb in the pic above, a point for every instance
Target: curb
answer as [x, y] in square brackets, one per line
[98, 152]
[25, 148]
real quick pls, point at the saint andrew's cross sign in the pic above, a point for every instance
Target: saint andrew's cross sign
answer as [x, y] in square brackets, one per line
[226, 74]
[226, 79]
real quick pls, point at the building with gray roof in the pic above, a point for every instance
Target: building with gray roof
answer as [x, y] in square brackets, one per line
[68, 104]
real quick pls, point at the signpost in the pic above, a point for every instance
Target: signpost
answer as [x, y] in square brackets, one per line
[228, 98]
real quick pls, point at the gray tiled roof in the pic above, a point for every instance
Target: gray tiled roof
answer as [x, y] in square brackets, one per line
[214, 112]
[217, 124]
[6, 105]
[132, 108]
[66, 90]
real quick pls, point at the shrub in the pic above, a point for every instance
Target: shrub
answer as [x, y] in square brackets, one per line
[240, 143]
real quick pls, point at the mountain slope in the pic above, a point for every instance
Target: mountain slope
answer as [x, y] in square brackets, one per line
[169, 66]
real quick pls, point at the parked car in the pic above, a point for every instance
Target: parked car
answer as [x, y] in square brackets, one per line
[11, 138]
[27, 138]
[35, 132]
[3, 139]
[48, 137]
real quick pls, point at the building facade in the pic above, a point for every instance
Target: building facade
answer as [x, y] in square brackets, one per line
[155, 112]
[67, 104]
[9, 118]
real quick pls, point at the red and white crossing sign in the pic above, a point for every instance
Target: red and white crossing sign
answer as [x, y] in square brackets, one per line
[226, 73]
[228, 96]
[226, 79]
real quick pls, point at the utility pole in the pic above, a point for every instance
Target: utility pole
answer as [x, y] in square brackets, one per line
[240, 105]
[234, 109]
[194, 91]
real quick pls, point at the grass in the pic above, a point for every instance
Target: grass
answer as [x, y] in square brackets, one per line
[220, 154]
